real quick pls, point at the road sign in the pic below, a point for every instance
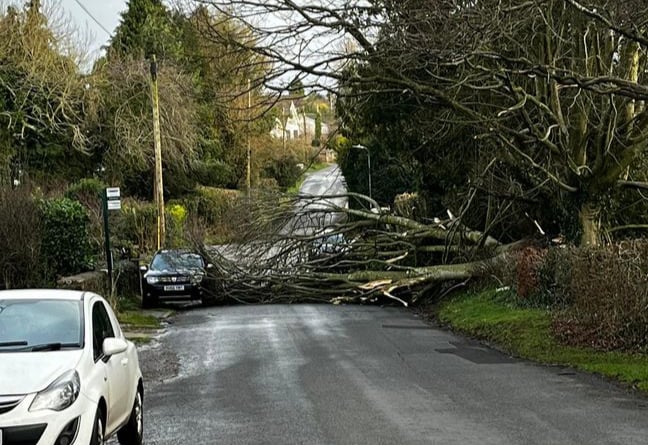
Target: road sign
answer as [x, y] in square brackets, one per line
[114, 204]
[112, 193]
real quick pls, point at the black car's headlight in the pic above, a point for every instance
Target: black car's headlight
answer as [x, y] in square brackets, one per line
[60, 394]
[197, 279]
[152, 280]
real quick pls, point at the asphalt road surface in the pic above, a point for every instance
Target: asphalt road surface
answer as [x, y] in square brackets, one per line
[328, 181]
[364, 375]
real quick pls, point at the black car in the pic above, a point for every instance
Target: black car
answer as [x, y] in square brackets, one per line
[173, 274]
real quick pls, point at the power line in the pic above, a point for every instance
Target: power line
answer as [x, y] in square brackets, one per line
[78, 2]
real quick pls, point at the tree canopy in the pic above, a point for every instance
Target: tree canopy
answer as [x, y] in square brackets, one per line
[505, 108]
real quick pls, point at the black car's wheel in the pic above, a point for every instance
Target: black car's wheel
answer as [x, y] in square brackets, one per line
[99, 429]
[133, 432]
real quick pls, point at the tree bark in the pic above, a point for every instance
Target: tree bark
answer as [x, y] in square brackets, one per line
[590, 224]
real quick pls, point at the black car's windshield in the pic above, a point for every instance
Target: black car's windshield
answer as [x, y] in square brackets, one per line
[40, 325]
[176, 260]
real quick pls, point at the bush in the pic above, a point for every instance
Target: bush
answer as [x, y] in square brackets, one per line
[215, 173]
[608, 295]
[87, 191]
[135, 228]
[598, 295]
[66, 244]
[21, 228]
[211, 208]
[211, 204]
[176, 217]
[284, 170]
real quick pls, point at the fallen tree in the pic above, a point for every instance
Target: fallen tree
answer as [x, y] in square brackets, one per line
[320, 249]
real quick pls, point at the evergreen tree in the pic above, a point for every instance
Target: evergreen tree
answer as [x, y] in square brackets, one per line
[146, 28]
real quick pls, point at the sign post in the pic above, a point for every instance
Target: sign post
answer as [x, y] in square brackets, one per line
[111, 201]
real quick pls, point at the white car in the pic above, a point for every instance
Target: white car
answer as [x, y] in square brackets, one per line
[67, 374]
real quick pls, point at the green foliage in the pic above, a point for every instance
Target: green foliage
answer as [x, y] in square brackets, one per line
[136, 226]
[41, 98]
[390, 175]
[215, 173]
[211, 204]
[147, 28]
[66, 245]
[86, 189]
[176, 218]
[283, 169]
[494, 316]
[202, 137]
[212, 209]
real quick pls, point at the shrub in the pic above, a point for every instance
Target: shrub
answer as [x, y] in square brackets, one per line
[66, 244]
[553, 278]
[212, 204]
[528, 262]
[608, 293]
[215, 173]
[135, 228]
[87, 191]
[211, 208]
[284, 170]
[21, 228]
[176, 216]
[598, 296]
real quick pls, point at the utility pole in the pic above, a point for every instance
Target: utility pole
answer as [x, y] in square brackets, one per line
[248, 178]
[159, 185]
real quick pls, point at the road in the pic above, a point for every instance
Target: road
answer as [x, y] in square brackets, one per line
[365, 375]
[313, 213]
[328, 181]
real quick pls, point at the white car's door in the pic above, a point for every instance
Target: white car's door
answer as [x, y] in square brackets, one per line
[116, 369]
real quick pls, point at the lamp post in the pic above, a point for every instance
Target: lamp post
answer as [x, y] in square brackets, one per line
[362, 147]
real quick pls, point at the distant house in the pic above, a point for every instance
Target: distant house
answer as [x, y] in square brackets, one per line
[299, 125]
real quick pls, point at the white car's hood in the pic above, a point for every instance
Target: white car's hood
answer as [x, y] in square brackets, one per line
[29, 372]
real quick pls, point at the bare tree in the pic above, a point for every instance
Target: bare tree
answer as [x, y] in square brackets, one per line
[119, 115]
[320, 249]
[555, 87]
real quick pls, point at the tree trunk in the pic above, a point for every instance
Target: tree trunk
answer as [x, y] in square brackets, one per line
[590, 224]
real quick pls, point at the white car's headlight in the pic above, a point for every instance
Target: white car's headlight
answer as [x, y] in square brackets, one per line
[60, 394]
[152, 280]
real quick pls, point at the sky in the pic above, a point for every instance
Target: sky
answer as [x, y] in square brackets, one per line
[105, 11]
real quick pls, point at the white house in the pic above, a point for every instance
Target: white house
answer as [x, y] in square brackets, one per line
[298, 125]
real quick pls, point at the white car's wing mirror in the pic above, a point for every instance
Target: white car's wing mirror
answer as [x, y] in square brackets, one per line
[112, 346]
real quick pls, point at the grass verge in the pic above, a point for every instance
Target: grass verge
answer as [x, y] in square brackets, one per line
[493, 316]
[138, 320]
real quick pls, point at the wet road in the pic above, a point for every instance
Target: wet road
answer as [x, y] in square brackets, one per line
[364, 375]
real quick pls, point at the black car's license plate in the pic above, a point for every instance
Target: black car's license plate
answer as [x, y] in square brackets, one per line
[172, 287]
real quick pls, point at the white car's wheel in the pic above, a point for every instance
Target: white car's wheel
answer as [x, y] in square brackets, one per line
[133, 432]
[98, 430]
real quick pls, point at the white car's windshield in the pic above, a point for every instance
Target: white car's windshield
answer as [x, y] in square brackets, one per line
[40, 325]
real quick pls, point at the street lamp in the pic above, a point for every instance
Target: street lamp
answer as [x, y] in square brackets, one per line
[362, 147]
